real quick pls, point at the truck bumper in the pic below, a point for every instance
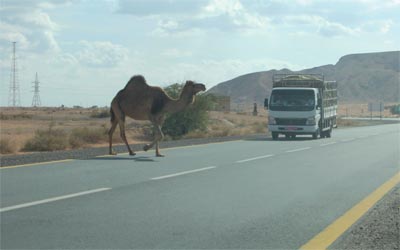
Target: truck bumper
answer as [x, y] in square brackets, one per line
[293, 129]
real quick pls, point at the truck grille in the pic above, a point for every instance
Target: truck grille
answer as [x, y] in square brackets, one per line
[290, 121]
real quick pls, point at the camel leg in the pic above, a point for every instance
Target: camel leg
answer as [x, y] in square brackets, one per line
[157, 143]
[158, 135]
[123, 136]
[110, 135]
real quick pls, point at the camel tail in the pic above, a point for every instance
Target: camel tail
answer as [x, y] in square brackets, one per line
[112, 115]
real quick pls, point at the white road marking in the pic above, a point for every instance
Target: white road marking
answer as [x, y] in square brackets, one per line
[326, 144]
[296, 150]
[34, 203]
[255, 158]
[347, 140]
[182, 173]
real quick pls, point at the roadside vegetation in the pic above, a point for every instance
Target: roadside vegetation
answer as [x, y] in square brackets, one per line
[52, 139]
[49, 129]
[80, 137]
[6, 146]
[395, 109]
[47, 140]
[100, 113]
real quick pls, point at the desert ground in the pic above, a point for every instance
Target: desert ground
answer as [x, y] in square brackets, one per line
[18, 125]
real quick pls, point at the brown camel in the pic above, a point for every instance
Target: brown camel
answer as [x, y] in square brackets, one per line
[143, 102]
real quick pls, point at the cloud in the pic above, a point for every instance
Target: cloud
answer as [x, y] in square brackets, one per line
[159, 7]
[90, 55]
[182, 17]
[233, 14]
[101, 54]
[373, 5]
[319, 25]
[28, 23]
[176, 53]
[378, 26]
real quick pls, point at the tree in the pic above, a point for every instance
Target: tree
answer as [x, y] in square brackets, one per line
[395, 109]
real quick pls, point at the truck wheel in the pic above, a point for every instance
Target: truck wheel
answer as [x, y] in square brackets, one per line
[315, 135]
[275, 136]
[329, 133]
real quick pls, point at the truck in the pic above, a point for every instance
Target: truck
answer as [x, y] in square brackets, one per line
[301, 104]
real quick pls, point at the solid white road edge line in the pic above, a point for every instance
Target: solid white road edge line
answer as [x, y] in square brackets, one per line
[296, 150]
[34, 203]
[255, 158]
[182, 173]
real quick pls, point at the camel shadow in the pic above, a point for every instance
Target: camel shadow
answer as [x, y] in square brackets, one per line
[120, 158]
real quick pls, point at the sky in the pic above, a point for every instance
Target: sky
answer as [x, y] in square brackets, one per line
[85, 51]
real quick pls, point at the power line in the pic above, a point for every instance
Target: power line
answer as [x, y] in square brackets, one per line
[14, 95]
[36, 98]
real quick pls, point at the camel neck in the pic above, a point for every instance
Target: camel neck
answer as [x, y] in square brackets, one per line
[176, 105]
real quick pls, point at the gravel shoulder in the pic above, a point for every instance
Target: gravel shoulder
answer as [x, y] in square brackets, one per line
[379, 229]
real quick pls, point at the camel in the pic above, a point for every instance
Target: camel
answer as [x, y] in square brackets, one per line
[143, 102]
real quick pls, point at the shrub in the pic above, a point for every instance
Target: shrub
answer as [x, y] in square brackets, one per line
[6, 146]
[395, 109]
[81, 136]
[194, 117]
[47, 140]
[259, 128]
[15, 116]
[104, 113]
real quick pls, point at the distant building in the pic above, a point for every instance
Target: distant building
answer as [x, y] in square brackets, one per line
[223, 103]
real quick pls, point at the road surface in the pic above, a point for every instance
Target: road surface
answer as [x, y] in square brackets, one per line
[256, 194]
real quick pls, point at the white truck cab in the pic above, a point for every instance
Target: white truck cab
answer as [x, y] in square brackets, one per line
[299, 105]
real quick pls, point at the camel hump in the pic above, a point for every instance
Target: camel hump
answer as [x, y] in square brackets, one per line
[137, 80]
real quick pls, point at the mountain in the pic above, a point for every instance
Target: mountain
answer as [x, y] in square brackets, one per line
[361, 78]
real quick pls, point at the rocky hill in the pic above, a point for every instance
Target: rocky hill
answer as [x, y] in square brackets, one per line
[361, 78]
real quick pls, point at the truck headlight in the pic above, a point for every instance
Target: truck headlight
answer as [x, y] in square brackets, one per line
[271, 120]
[310, 121]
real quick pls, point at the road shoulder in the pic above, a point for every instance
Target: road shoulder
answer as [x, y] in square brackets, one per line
[378, 229]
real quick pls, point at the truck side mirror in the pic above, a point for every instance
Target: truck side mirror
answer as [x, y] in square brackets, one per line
[266, 103]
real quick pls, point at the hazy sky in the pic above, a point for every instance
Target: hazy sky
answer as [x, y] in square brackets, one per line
[85, 51]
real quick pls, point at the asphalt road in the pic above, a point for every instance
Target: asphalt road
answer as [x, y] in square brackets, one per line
[254, 194]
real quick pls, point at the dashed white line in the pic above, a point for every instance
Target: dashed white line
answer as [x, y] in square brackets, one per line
[255, 158]
[34, 203]
[347, 140]
[182, 173]
[296, 150]
[327, 144]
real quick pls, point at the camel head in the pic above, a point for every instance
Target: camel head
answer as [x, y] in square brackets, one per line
[191, 89]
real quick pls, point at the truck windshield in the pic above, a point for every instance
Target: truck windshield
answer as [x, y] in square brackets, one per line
[292, 100]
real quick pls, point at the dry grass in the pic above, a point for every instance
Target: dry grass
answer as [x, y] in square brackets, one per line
[7, 146]
[50, 139]
[361, 110]
[20, 125]
[228, 124]
[80, 137]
